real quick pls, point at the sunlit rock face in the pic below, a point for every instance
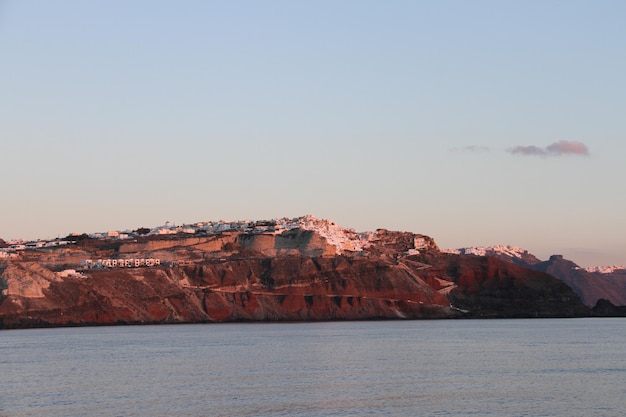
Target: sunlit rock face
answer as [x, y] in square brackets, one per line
[590, 284]
[267, 271]
[256, 288]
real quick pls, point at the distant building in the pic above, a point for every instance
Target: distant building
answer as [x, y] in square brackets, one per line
[120, 263]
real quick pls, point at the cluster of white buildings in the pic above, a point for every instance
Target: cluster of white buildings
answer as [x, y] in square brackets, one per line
[606, 269]
[508, 250]
[170, 229]
[14, 247]
[120, 263]
[342, 239]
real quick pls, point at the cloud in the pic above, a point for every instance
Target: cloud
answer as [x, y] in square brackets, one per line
[527, 150]
[563, 147]
[566, 147]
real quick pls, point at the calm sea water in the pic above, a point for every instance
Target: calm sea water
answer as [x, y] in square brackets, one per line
[540, 367]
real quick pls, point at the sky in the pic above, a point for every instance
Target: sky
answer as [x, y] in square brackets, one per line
[474, 122]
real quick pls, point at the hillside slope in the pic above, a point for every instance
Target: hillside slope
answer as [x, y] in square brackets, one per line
[295, 274]
[591, 284]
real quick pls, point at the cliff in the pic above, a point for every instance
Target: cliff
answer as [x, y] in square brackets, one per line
[296, 274]
[591, 284]
[251, 288]
[488, 287]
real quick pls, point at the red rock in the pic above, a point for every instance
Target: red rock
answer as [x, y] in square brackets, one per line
[264, 277]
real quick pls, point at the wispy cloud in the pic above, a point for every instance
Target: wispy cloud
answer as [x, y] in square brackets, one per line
[527, 150]
[563, 147]
[566, 147]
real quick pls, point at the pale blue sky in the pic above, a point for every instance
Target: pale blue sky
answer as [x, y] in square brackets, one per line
[395, 114]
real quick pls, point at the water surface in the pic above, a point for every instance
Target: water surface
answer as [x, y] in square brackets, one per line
[539, 367]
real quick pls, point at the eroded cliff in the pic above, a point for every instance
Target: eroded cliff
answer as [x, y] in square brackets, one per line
[294, 275]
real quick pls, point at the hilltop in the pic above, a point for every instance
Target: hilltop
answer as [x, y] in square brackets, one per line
[283, 269]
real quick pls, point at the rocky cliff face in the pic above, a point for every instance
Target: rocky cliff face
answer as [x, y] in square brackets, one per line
[488, 287]
[291, 242]
[257, 288]
[293, 275]
[591, 286]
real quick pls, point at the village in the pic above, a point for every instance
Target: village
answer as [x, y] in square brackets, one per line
[335, 234]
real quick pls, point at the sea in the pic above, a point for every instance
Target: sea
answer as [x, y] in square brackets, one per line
[522, 367]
